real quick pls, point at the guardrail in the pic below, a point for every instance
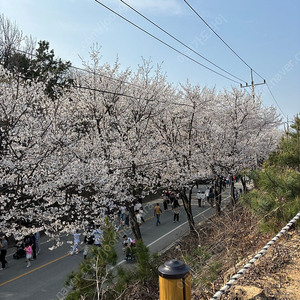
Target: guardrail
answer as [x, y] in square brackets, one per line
[235, 277]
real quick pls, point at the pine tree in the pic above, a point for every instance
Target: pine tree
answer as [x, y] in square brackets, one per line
[94, 274]
[277, 198]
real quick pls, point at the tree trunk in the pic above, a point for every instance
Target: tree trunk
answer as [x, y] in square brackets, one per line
[133, 222]
[188, 208]
[232, 190]
[218, 195]
[244, 184]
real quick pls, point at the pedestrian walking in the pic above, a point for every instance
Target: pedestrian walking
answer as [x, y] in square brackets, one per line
[76, 244]
[137, 206]
[3, 247]
[89, 241]
[127, 216]
[116, 220]
[176, 214]
[98, 236]
[142, 213]
[240, 192]
[138, 217]
[176, 206]
[157, 213]
[165, 203]
[199, 198]
[203, 198]
[123, 209]
[129, 247]
[207, 191]
[119, 215]
[28, 250]
[235, 194]
[211, 198]
[228, 181]
[172, 199]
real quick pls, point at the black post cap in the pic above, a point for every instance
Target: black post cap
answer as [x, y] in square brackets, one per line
[173, 269]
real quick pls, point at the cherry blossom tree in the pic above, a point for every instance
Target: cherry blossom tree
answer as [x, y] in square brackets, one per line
[34, 132]
[123, 105]
[241, 130]
[114, 135]
[181, 131]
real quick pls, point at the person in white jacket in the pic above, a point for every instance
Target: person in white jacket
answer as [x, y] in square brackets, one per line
[76, 244]
[98, 236]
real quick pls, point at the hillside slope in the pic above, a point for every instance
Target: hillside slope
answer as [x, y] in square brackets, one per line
[225, 244]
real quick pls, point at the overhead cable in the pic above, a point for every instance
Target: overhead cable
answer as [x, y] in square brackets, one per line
[127, 96]
[234, 53]
[173, 37]
[220, 38]
[86, 70]
[166, 44]
[275, 99]
[106, 91]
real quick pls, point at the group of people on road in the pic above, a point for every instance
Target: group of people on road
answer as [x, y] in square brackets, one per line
[168, 198]
[30, 246]
[93, 236]
[129, 247]
[122, 216]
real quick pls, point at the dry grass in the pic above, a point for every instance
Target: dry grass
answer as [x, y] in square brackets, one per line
[222, 247]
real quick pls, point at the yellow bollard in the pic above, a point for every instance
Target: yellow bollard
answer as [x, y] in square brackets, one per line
[174, 281]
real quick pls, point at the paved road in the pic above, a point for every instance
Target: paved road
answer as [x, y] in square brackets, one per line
[44, 280]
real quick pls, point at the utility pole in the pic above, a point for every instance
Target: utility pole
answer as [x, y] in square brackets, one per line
[297, 132]
[252, 85]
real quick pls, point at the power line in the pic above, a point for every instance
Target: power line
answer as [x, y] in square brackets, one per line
[106, 91]
[147, 163]
[180, 41]
[220, 38]
[161, 41]
[125, 95]
[86, 70]
[129, 96]
[252, 84]
[105, 76]
[108, 77]
[275, 99]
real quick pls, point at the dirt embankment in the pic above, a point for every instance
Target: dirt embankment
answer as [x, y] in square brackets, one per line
[226, 244]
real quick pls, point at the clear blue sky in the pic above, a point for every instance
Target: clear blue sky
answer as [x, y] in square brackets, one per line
[265, 34]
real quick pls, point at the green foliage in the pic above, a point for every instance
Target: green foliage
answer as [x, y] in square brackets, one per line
[254, 176]
[214, 269]
[94, 270]
[201, 253]
[42, 67]
[55, 72]
[276, 199]
[288, 155]
[146, 269]
[259, 203]
[207, 273]
[125, 277]
[202, 271]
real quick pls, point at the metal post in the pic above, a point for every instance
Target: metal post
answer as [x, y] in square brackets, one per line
[174, 281]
